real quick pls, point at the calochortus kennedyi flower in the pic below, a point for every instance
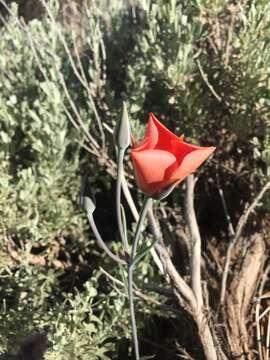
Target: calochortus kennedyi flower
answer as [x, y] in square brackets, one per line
[163, 159]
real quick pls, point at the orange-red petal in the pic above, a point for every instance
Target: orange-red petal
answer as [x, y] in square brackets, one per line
[157, 136]
[191, 162]
[151, 167]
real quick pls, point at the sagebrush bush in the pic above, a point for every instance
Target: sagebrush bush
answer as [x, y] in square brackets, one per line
[40, 184]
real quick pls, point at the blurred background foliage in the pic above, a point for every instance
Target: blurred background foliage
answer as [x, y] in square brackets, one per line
[65, 67]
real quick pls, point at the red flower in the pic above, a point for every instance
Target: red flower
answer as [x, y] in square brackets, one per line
[163, 159]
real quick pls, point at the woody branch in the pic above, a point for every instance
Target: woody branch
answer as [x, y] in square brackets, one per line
[195, 264]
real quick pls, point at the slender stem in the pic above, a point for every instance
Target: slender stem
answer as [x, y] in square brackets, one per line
[101, 242]
[146, 205]
[120, 158]
[195, 242]
[132, 313]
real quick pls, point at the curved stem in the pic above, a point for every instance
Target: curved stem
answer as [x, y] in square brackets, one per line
[101, 242]
[146, 205]
[120, 158]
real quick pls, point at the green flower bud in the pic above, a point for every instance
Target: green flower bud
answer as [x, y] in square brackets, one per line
[87, 198]
[121, 132]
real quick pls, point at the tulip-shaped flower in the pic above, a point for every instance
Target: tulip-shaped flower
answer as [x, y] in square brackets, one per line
[163, 159]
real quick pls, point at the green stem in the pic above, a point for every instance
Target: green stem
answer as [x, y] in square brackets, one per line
[146, 205]
[101, 242]
[120, 158]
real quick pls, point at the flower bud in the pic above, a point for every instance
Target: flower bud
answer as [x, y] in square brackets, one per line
[122, 131]
[87, 198]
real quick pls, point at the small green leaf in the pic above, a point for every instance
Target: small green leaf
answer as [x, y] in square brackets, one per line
[141, 254]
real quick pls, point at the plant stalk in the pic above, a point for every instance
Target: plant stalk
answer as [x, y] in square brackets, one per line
[120, 158]
[146, 205]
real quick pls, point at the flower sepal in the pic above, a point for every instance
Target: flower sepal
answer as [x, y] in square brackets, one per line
[164, 192]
